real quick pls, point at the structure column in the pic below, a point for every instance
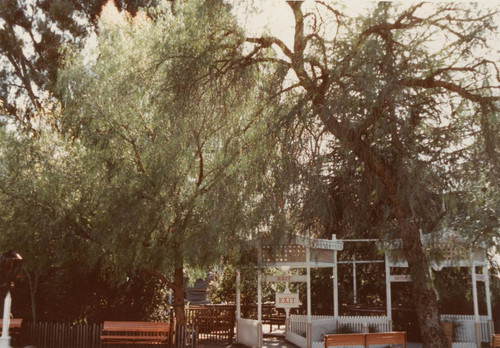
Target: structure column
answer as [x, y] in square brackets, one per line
[354, 280]
[388, 289]
[477, 323]
[488, 293]
[309, 321]
[5, 339]
[335, 283]
[488, 300]
[238, 294]
[238, 302]
[259, 307]
[260, 335]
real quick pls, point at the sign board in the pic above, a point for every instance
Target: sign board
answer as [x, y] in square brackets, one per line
[322, 256]
[400, 278]
[480, 278]
[286, 278]
[327, 244]
[287, 300]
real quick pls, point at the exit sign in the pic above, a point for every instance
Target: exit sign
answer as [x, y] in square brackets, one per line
[287, 300]
[400, 278]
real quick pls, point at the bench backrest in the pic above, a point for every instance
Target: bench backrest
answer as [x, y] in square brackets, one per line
[386, 338]
[135, 326]
[14, 323]
[495, 341]
[344, 340]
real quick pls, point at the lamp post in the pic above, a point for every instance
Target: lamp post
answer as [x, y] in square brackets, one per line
[10, 263]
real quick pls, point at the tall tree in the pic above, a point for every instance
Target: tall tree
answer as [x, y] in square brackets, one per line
[167, 126]
[32, 37]
[404, 91]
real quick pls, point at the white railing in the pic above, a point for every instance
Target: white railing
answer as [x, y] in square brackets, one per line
[322, 325]
[298, 323]
[356, 324]
[464, 329]
[248, 332]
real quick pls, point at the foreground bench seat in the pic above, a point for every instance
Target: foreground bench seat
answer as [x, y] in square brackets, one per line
[386, 338]
[134, 332]
[365, 339]
[339, 340]
[495, 341]
[14, 323]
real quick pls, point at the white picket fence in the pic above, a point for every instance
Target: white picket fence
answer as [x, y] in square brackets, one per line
[356, 324]
[464, 327]
[328, 324]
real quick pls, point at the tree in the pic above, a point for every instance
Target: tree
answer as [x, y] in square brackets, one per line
[167, 128]
[32, 35]
[405, 108]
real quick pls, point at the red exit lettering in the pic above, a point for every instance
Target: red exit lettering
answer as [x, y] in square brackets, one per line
[283, 278]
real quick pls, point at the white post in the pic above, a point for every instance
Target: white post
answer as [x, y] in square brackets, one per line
[238, 294]
[259, 295]
[259, 307]
[491, 326]
[309, 322]
[5, 339]
[238, 302]
[488, 293]
[335, 283]
[354, 279]
[477, 323]
[388, 287]
[260, 335]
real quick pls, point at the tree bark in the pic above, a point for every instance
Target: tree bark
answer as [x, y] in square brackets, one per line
[178, 289]
[422, 286]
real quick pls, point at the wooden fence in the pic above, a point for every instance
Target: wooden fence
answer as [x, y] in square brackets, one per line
[59, 335]
[214, 323]
[206, 324]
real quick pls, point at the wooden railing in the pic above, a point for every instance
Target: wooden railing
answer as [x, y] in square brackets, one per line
[205, 325]
[61, 335]
[214, 323]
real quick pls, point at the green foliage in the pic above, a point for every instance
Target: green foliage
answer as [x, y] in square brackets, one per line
[31, 36]
[170, 136]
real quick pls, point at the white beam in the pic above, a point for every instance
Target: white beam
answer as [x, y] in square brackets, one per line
[388, 286]
[335, 283]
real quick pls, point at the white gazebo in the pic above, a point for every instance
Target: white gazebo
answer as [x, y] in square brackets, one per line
[446, 249]
[299, 253]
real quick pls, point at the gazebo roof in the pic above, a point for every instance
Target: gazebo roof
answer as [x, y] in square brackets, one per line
[444, 249]
[293, 252]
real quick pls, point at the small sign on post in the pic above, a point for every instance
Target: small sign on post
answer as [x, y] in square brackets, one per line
[400, 278]
[287, 300]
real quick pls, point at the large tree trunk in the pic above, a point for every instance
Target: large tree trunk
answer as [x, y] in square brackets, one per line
[178, 289]
[422, 286]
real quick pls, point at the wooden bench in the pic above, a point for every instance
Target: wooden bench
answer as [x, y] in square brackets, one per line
[345, 340]
[134, 332]
[495, 341]
[14, 324]
[365, 339]
[386, 338]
